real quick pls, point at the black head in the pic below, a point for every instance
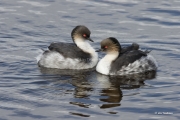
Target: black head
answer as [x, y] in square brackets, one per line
[110, 44]
[81, 32]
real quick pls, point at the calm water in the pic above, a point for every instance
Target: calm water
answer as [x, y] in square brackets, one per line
[28, 92]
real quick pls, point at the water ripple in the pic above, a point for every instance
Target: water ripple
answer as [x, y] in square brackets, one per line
[88, 2]
[160, 10]
[27, 91]
[37, 4]
[158, 20]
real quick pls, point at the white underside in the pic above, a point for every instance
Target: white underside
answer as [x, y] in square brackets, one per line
[54, 59]
[104, 65]
[142, 65]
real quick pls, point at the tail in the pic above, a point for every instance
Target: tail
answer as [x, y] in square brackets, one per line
[147, 51]
[43, 50]
[135, 46]
[40, 52]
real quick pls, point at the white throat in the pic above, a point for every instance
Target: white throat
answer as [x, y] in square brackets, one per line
[85, 46]
[104, 65]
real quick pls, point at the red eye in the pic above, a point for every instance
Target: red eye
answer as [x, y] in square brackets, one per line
[84, 35]
[106, 47]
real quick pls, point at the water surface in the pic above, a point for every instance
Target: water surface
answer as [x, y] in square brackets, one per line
[29, 92]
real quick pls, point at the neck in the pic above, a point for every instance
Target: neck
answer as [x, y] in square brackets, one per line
[104, 64]
[111, 56]
[85, 46]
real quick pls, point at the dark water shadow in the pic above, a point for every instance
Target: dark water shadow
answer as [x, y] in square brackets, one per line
[115, 84]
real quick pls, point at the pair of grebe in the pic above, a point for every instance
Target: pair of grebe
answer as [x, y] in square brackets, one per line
[81, 55]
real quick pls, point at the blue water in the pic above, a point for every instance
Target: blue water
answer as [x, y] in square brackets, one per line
[28, 92]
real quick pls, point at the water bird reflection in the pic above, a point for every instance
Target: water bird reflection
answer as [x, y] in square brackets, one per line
[106, 91]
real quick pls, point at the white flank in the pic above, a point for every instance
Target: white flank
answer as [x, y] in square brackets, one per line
[53, 59]
[144, 64]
